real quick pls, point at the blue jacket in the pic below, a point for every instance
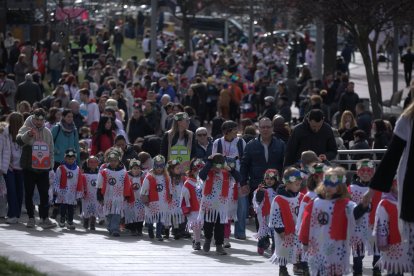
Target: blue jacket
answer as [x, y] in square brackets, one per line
[203, 154]
[253, 163]
[64, 141]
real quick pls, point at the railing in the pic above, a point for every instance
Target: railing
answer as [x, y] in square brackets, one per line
[345, 157]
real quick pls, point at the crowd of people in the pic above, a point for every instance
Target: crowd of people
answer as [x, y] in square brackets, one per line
[195, 142]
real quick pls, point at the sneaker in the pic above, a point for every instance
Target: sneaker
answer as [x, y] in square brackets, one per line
[298, 269]
[151, 233]
[220, 250]
[186, 235]
[61, 224]
[31, 223]
[12, 220]
[86, 223]
[47, 224]
[115, 234]
[160, 238]
[260, 251]
[71, 226]
[206, 246]
[240, 238]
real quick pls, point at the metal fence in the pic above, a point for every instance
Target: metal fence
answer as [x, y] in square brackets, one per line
[345, 158]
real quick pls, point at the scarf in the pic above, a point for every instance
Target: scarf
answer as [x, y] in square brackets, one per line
[67, 127]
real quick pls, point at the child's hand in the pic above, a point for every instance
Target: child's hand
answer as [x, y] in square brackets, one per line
[244, 190]
[368, 197]
[126, 198]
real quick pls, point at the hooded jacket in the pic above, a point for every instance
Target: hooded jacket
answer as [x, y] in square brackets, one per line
[24, 140]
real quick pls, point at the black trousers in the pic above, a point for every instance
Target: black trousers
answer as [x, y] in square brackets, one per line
[407, 75]
[66, 212]
[41, 180]
[217, 228]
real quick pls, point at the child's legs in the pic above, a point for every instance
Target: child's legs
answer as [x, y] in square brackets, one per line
[70, 213]
[139, 226]
[3, 206]
[227, 230]
[208, 230]
[114, 221]
[197, 233]
[261, 243]
[63, 208]
[219, 232]
[160, 229]
[272, 232]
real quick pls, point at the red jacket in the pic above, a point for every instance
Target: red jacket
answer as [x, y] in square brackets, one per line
[102, 143]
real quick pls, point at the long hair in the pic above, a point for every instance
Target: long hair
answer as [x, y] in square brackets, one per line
[101, 130]
[409, 111]
[344, 115]
[15, 121]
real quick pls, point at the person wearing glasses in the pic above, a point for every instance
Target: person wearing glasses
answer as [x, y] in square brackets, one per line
[204, 144]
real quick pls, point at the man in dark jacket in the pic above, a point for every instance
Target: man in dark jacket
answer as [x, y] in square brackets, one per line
[128, 152]
[262, 153]
[270, 108]
[312, 134]
[348, 99]
[364, 118]
[28, 91]
[204, 144]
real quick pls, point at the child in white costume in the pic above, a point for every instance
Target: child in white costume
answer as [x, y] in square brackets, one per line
[283, 216]
[361, 239]
[392, 243]
[69, 187]
[156, 194]
[262, 200]
[135, 210]
[114, 187]
[327, 223]
[214, 209]
[91, 208]
[177, 182]
[190, 201]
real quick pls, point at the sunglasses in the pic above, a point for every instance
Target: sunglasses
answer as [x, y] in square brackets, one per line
[202, 134]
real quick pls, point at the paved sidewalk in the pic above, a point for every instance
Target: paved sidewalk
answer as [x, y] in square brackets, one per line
[79, 252]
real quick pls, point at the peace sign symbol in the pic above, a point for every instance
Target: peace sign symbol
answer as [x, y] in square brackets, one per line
[297, 210]
[159, 188]
[69, 175]
[112, 181]
[93, 183]
[323, 218]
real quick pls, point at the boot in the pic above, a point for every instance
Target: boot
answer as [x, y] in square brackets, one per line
[220, 250]
[92, 223]
[227, 243]
[86, 223]
[206, 246]
[283, 271]
[55, 212]
[151, 232]
[196, 245]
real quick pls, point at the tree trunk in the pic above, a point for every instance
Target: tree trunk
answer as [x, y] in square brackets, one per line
[375, 103]
[330, 48]
[373, 47]
[186, 32]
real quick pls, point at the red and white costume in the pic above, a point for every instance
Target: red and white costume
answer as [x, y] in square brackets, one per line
[262, 210]
[283, 214]
[176, 211]
[115, 186]
[135, 210]
[362, 236]
[396, 258]
[307, 198]
[159, 190]
[216, 196]
[326, 229]
[90, 204]
[69, 185]
[190, 202]
[233, 199]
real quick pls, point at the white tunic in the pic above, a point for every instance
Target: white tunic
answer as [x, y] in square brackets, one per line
[289, 249]
[308, 197]
[90, 204]
[157, 211]
[325, 255]
[214, 204]
[192, 218]
[264, 229]
[135, 211]
[114, 193]
[176, 211]
[67, 195]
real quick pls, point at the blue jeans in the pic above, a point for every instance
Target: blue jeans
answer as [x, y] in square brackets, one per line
[55, 76]
[113, 220]
[159, 228]
[14, 184]
[240, 225]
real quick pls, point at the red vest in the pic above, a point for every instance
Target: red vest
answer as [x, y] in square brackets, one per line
[374, 204]
[210, 180]
[194, 205]
[286, 214]
[80, 185]
[394, 236]
[266, 205]
[153, 193]
[339, 226]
